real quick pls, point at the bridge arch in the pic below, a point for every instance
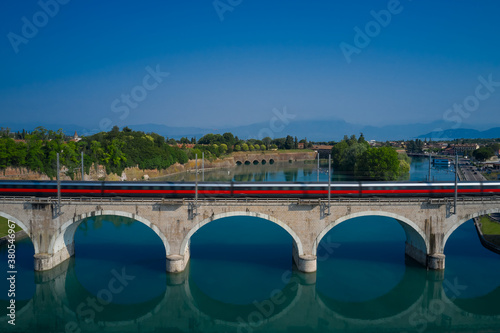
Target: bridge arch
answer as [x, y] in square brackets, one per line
[414, 235]
[462, 221]
[23, 226]
[65, 239]
[297, 244]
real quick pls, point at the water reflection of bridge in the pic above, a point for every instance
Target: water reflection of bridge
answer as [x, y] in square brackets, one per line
[416, 303]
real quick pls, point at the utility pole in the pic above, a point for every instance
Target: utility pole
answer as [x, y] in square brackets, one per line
[317, 173]
[329, 180]
[456, 184]
[83, 178]
[429, 179]
[196, 183]
[58, 188]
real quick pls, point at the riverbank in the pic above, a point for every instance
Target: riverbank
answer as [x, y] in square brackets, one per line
[136, 174]
[488, 232]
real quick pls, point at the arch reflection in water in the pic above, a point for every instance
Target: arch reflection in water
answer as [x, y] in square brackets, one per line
[402, 297]
[117, 253]
[278, 301]
[240, 259]
[368, 259]
[474, 271]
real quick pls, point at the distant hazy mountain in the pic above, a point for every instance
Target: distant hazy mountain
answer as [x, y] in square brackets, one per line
[69, 129]
[313, 130]
[463, 133]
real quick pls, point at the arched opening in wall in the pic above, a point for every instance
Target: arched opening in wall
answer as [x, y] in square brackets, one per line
[264, 162]
[271, 161]
[361, 262]
[21, 250]
[472, 262]
[116, 247]
[240, 259]
[247, 163]
[238, 163]
[255, 162]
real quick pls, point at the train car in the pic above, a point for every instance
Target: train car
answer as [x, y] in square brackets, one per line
[414, 189]
[167, 189]
[246, 189]
[294, 190]
[49, 188]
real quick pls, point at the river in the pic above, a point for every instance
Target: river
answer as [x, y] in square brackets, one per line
[116, 282]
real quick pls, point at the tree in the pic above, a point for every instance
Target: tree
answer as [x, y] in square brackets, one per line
[4, 155]
[228, 139]
[222, 148]
[237, 148]
[244, 147]
[378, 164]
[483, 153]
[267, 141]
[338, 154]
[289, 142]
[361, 138]
[352, 154]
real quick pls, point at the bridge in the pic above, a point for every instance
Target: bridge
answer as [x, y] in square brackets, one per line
[427, 222]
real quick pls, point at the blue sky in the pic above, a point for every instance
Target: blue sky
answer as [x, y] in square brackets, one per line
[233, 65]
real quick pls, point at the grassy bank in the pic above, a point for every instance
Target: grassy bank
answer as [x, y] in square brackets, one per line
[491, 176]
[489, 227]
[4, 227]
[491, 230]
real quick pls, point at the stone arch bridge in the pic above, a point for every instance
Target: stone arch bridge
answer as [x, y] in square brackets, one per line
[428, 223]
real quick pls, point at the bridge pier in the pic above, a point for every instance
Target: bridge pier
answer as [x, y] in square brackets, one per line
[306, 263]
[416, 253]
[47, 261]
[177, 263]
[434, 261]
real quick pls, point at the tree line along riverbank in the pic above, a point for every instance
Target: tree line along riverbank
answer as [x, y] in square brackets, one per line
[133, 155]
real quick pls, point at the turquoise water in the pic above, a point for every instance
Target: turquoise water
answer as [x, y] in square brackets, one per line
[116, 282]
[304, 172]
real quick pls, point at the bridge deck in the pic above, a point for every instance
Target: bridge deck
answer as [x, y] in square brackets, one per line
[239, 201]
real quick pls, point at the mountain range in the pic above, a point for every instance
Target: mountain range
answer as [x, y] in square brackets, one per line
[313, 130]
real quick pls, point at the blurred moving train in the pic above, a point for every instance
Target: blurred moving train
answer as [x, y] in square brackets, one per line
[246, 189]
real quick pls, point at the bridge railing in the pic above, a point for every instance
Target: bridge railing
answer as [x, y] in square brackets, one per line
[249, 201]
